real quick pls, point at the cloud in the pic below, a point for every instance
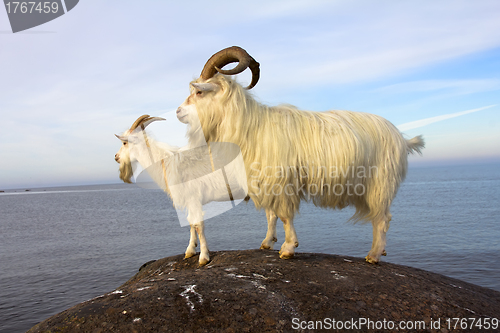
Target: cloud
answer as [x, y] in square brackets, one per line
[98, 73]
[432, 120]
[381, 40]
[466, 86]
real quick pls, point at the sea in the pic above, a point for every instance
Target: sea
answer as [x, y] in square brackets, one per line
[62, 246]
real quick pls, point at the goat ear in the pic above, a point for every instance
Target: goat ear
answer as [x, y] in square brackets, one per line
[123, 138]
[205, 86]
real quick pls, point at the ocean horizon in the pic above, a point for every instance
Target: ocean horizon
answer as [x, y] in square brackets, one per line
[61, 246]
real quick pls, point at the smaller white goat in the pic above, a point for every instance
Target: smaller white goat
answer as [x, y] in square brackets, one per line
[192, 177]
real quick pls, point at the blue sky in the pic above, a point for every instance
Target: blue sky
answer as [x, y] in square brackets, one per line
[431, 67]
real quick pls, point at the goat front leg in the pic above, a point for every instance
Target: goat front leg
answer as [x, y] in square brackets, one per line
[268, 242]
[195, 218]
[191, 249]
[204, 254]
[291, 242]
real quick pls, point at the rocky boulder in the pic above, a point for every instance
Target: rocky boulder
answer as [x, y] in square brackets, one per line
[255, 291]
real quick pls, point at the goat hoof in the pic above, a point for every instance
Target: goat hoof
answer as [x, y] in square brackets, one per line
[296, 244]
[189, 255]
[371, 260]
[204, 261]
[286, 255]
[266, 245]
[384, 253]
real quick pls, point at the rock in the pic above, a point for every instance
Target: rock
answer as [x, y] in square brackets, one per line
[255, 291]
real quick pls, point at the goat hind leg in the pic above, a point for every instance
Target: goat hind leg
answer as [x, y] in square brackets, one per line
[291, 242]
[380, 227]
[268, 242]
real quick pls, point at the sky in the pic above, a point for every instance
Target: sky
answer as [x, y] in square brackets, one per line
[67, 86]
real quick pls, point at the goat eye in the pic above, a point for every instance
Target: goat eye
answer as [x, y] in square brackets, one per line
[199, 92]
[124, 143]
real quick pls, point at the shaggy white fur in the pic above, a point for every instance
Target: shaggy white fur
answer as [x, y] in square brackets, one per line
[334, 159]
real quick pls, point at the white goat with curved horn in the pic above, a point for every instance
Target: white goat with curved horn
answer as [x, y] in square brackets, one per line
[191, 176]
[334, 159]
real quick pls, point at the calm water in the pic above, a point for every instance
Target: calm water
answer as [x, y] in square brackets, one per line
[62, 246]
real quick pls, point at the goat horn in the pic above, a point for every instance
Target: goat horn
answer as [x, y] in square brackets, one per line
[144, 121]
[227, 56]
[139, 120]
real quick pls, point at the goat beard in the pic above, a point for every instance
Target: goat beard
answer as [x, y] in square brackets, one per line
[126, 171]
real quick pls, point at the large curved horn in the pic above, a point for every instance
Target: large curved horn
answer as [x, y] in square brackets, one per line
[227, 56]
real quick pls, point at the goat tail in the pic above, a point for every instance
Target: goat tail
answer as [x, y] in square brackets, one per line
[415, 145]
